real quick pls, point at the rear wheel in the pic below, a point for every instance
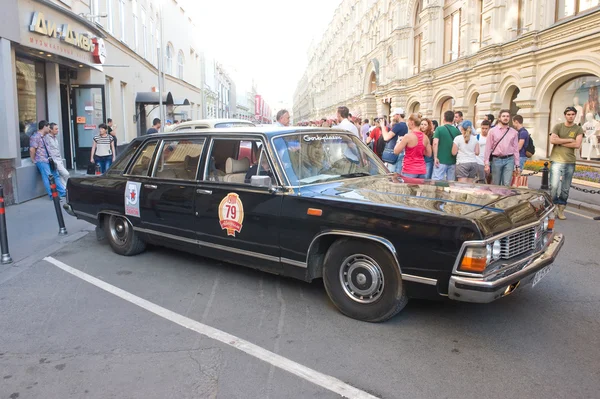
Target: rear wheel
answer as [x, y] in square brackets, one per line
[121, 236]
[363, 280]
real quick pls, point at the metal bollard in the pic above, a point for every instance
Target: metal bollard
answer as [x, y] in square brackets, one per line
[545, 172]
[62, 230]
[5, 259]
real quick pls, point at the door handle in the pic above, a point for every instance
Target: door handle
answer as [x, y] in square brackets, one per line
[206, 192]
[151, 186]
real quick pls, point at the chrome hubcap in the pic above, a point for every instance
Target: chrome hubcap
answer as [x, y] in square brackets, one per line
[362, 278]
[119, 230]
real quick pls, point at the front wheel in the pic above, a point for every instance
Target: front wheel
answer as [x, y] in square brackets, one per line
[363, 280]
[121, 236]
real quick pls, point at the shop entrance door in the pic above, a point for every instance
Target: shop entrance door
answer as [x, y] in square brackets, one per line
[88, 113]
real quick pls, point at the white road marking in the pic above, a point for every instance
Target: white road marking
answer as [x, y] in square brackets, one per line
[579, 214]
[323, 380]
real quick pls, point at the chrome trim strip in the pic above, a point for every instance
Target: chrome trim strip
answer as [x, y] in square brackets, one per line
[481, 243]
[89, 215]
[294, 263]
[371, 237]
[419, 279]
[211, 245]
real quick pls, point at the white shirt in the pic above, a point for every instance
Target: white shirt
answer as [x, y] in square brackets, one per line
[482, 141]
[466, 151]
[349, 126]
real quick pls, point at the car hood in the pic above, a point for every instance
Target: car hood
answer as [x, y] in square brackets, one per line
[494, 208]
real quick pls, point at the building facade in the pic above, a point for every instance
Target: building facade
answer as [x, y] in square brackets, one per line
[79, 62]
[534, 57]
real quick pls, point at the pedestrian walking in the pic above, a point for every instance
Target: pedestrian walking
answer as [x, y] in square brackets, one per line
[343, 122]
[42, 159]
[466, 149]
[502, 151]
[51, 140]
[282, 118]
[103, 149]
[523, 139]
[482, 139]
[427, 128]
[364, 130]
[566, 137]
[416, 146]
[392, 160]
[155, 126]
[444, 167]
[458, 118]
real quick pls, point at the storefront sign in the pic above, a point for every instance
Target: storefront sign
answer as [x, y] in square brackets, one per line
[81, 119]
[89, 127]
[67, 34]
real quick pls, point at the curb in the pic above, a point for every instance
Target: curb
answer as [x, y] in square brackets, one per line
[584, 206]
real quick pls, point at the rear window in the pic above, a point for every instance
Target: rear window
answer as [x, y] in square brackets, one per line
[118, 167]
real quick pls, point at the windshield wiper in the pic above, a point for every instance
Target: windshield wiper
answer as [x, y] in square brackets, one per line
[356, 174]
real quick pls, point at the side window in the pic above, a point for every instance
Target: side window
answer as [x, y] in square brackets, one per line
[236, 161]
[123, 159]
[178, 159]
[142, 164]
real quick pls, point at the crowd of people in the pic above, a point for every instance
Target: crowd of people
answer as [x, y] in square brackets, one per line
[495, 152]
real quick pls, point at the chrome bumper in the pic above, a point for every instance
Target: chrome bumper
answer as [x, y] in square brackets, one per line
[483, 290]
[69, 210]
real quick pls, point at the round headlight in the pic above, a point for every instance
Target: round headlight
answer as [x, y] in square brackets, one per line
[496, 250]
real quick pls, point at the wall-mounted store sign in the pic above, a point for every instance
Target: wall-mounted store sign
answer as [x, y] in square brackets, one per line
[65, 32]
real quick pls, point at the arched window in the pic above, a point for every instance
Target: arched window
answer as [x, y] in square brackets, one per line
[418, 40]
[169, 59]
[180, 63]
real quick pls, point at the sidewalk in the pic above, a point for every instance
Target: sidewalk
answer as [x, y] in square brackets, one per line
[577, 199]
[32, 227]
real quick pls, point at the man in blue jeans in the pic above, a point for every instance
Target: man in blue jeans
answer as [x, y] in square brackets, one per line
[502, 151]
[566, 138]
[39, 155]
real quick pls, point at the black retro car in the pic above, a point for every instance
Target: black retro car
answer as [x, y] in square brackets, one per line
[314, 203]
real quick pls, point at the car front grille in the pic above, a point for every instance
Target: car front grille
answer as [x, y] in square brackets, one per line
[518, 243]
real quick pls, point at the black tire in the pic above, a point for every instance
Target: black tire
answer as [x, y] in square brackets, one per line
[121, 236]
[354, 265]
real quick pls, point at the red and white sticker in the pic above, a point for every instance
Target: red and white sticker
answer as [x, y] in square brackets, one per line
[231, 214]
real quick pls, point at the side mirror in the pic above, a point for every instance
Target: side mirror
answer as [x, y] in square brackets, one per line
[260, 181]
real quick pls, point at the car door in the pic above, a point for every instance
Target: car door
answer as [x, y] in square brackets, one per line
[237, 222]
[167, 195]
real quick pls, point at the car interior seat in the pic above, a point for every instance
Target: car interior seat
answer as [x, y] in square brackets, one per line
[235, 170]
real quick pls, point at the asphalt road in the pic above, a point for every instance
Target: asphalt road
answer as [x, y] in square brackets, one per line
[62, 337]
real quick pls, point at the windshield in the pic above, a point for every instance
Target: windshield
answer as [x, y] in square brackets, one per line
[319, 157]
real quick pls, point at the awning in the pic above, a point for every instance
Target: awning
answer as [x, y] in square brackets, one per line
[181, 101]
[151, 97]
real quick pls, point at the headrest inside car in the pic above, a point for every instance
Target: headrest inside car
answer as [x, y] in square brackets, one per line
[233, 166]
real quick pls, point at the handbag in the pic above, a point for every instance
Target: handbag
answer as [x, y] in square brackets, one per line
[91, 168]
[519, 180]
[51, 162]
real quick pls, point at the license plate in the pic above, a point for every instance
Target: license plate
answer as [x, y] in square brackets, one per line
[540, 275]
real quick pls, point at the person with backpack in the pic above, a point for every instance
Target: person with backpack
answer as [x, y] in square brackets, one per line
[444, 162]
[524, 140]
[393, 161]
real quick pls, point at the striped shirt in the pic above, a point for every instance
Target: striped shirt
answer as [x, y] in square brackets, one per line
[103, 145]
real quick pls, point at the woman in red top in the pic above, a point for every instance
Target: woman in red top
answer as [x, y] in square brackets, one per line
[416, 146]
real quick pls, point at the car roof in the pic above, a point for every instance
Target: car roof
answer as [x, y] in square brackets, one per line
[269, 131]
[212, 122]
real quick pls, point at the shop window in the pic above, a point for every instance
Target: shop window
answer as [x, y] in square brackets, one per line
[581, 93]
[31, 99]
[567, 8]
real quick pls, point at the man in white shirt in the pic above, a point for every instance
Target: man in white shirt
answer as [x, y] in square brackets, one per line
[52, 144]
[282, 118]
[344, 123]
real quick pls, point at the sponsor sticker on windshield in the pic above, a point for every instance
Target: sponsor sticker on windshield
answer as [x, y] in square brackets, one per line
[326, 137]
[231, 214]
[132, 198]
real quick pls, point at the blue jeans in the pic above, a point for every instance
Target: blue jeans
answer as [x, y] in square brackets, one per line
[502, 171]
[522, 161]
[104, 163]
[394, 167]
[44, 168]
[429, 166]
[415, 176]
[444, 172]
[559, 190]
